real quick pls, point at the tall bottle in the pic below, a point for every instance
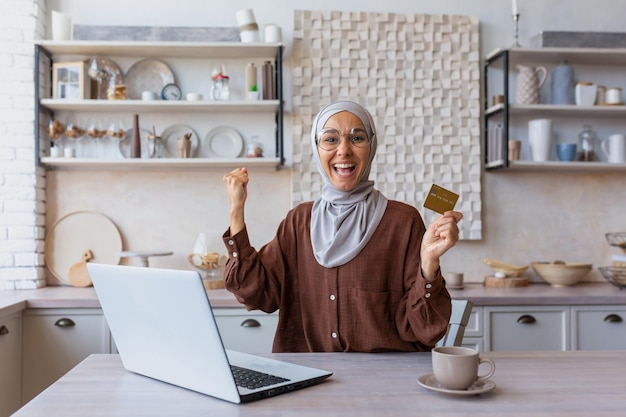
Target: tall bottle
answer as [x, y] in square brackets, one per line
[135, 139]
[251, 81]
[562, 84]
[269, 90]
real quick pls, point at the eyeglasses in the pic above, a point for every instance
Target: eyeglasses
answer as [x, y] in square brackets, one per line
[329, 139]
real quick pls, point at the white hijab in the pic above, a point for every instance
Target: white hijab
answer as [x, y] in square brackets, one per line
[342, 222]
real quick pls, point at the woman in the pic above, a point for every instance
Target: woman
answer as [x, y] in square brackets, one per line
[351, 271]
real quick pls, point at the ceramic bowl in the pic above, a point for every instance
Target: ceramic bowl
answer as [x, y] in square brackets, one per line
[561, 274]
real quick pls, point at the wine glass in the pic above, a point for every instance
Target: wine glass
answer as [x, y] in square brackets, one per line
[96, 132]
[73, 132]
[117, 133]
[56, 129]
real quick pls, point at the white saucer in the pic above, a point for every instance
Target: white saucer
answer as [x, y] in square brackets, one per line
[430, 382]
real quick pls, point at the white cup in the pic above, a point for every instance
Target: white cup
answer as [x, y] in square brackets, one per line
[272, 33]
[194, 97]
[149, 95]
[61, 24]
[615, 148]
[540, 139]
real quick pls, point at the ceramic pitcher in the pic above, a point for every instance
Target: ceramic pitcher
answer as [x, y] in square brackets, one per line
[529, 82]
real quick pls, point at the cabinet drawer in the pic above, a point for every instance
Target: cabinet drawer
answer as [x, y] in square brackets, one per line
[599, 328]
[521, 328]
[246, 331]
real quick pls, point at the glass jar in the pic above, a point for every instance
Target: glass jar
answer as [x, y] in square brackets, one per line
[220, 90]
[587, 145]
[255, 148]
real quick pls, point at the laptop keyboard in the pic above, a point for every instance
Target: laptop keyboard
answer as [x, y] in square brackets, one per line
[248, 378]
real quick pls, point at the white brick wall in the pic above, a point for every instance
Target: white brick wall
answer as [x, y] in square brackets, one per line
[22, 183]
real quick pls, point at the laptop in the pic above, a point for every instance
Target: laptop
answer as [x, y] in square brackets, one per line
[164, 328]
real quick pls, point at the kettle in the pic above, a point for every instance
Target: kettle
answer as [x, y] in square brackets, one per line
[529, 82]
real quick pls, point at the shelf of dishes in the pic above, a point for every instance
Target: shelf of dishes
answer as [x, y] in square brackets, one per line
[161, 49]
[146, 164]
[260, 106]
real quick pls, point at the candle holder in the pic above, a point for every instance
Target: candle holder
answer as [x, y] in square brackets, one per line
[516, 31]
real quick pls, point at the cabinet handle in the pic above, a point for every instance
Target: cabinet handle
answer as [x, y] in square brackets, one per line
[613, 318]
[250, 323]
[4, 330]
[65, 322]
[526, 319]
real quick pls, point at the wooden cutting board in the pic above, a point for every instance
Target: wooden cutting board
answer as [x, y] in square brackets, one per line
[508, 282]
[79, 275]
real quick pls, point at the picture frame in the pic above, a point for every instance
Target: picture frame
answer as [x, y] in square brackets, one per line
[70, 81]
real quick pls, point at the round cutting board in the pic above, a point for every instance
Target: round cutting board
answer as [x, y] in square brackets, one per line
[491, 281]
[73, 234]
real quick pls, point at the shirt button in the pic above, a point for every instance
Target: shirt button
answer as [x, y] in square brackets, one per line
[235, 254]
[332, 297]
[231, 242]
[429, 285]
[334, 335]
[427, 295]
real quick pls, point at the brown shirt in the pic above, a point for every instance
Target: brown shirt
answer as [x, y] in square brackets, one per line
[378, 301]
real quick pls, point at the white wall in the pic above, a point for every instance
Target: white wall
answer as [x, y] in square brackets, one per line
[527, 216]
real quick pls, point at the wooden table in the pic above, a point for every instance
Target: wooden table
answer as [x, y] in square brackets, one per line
[528, 384]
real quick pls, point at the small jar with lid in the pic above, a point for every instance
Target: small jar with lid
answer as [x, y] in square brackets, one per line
[587, 144]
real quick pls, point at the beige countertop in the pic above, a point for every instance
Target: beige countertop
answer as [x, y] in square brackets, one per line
[534, 294]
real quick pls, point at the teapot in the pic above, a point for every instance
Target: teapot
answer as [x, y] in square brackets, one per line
[529, 82]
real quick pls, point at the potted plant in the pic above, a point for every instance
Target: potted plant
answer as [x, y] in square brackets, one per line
[253, 94]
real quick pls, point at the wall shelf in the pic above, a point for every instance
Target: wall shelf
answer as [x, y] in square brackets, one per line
[145, 164]
[161, 106]
[507, 113]
[557, 166]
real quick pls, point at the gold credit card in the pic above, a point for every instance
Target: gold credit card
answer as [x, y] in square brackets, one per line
[440, 200]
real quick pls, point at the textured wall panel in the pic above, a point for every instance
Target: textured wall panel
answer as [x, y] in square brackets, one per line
[419, 76]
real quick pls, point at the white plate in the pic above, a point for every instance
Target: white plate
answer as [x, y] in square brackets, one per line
[430, 382]
[146, 146]
[147, 75]
[71, 235]
[174, 132]
[222, 142]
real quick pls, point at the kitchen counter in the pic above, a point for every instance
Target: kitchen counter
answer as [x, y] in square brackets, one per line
[534, 294]
[73, 297]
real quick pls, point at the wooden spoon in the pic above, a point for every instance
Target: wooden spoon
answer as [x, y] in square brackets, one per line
[79, 275]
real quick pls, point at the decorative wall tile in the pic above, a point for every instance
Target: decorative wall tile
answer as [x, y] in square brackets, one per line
[419, 76]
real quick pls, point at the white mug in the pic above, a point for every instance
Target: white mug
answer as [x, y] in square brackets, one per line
[540, 139]
[615, 148]
[61, 24]
[273, 33]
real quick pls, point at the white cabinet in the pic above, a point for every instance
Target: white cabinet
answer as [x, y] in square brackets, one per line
[191, 64]
[246, 331]
[600, 66]
[10, 362]
[599, 327]
[56, 340]
[527, 328]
